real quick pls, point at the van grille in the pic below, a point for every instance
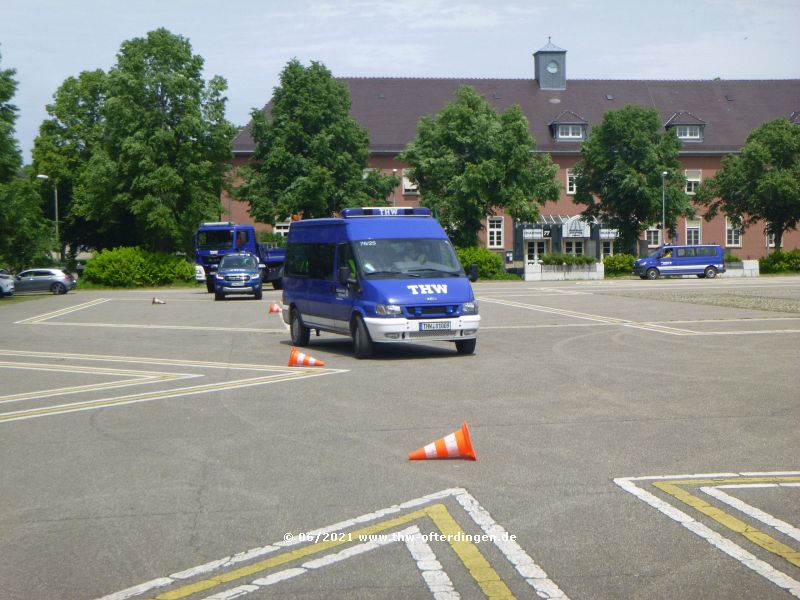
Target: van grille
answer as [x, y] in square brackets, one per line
[429, 310]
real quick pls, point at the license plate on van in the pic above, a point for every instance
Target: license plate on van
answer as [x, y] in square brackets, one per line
[436, 326]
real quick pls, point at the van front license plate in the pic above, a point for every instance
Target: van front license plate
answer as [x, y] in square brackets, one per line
[435, 326]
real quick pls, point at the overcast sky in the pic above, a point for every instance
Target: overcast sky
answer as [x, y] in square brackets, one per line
[248, 42]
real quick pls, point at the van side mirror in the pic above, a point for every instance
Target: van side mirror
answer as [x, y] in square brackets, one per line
[345, 276]
[472, 272]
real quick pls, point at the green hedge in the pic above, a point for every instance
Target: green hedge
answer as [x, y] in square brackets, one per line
[780, 262]
[134, 267]
[619, 264]
[566, 259]
[490, 264]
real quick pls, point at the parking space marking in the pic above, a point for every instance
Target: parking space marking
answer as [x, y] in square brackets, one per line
[382, 526]
[62, 311]
[672, 486]
[752, 511]
[276, 374]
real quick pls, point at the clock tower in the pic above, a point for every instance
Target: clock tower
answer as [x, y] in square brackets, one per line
[551, 67]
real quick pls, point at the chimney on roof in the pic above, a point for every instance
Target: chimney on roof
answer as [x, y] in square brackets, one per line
[550, 65]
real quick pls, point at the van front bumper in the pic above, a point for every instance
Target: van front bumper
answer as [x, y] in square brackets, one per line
[414, 330]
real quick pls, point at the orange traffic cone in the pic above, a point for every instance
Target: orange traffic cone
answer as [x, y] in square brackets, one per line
[157, 301]
[298, 359]
[456, 445]
[275, 308]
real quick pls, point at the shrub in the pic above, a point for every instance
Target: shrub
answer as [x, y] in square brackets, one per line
[731, 258]
[566, 259]
[619, 264]
[134, 267]
[490, 264]
[780, 262]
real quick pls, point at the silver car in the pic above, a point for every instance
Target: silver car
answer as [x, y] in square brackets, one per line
[54, 281]
[6, 285]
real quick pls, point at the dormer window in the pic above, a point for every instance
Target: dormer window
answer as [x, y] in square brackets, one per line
[688, 127]
[570, 132]
[688, 132]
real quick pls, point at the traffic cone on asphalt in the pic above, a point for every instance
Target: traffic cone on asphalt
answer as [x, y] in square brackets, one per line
[456, 445]
[157, 301]
[298, 359]
[275, 308]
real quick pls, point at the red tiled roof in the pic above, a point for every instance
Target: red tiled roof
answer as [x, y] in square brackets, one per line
[389, 108]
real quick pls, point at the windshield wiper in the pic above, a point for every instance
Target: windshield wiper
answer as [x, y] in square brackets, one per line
[433, 270]
[390, 272]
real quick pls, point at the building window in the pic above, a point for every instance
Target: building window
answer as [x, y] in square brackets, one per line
[693, 232]
[573, 247]
[770, 240]
[733, 235]
[571, 187]
[570, 132]
[365, 172]
[536, 248]
[607, 248]
[281, 228]
[688, 132]
[409, 187]
[653, 237]
[693, 178]
[495, 231]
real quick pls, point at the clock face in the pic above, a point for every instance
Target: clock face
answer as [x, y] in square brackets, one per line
[552, 67]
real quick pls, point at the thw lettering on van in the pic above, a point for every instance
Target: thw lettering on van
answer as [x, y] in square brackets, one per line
[434, 288]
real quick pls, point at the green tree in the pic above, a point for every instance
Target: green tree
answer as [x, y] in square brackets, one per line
[10, 159]
[760, 184]
[157, 149]
[619, 176]
[469, 161]
[310, 154]
[64, 147]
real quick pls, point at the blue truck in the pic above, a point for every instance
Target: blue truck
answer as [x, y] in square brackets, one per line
[212, 241]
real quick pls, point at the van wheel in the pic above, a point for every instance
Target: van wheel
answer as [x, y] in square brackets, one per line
[710, 272]
[652, 273]
[300, 333]
[362, 343]
[466, 346]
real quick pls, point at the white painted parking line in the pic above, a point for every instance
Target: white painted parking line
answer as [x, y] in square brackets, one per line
[726, 545]
[752, 511]
[62, 311]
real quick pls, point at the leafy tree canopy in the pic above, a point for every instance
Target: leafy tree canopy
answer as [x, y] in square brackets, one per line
[469, 161]
[10, 158]
[619, 176]
[310, 154]
[760, 184]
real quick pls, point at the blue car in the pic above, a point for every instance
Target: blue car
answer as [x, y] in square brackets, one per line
[705, 261]
[380, 276]
[237, 274]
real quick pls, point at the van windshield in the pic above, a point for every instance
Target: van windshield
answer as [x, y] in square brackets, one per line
[404, 258]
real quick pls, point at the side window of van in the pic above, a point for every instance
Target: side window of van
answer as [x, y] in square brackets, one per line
[345, 258]
[706, 251]
[310, 260]
[686, 252]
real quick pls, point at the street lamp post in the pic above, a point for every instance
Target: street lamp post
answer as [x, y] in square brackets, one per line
[663, 209]
[55, 206]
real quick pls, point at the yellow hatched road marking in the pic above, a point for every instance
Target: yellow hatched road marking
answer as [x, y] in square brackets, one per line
[480, 569]
[751, 533]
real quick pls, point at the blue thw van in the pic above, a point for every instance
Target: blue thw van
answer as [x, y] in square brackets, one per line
[379, 275]
[705, 261]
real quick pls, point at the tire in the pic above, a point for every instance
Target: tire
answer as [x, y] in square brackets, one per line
[259, 294]
[710, 272]
[58, 289]
[701, 275]
[299, 333]
[219, 296]
[651, 274]
[209, 284]
[277, 284]
[466, 346]
[362, 343]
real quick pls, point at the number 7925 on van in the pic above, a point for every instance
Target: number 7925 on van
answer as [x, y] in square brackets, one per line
[379, 275]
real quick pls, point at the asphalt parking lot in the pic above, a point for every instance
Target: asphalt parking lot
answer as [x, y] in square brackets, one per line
[634, 440]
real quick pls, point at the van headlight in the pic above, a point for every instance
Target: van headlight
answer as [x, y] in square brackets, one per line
[470, 308]
[388, 310]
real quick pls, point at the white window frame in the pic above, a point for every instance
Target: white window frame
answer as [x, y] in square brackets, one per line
[733, 235]
[694, 225]
[606, 244]
[770, 240]
[494, 232]
[648, 235]
[571, 187]
[281, 228]
[688, 132]
[365, 172]
[409, 187]
[570, 132]
[574, 247]
[693, 179]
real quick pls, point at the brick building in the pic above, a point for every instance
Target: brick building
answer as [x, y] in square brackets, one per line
[712, 118]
